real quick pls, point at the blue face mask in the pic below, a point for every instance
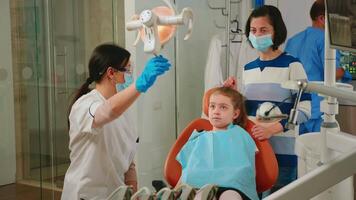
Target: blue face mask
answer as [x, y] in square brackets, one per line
[261, 43]
[128, 81]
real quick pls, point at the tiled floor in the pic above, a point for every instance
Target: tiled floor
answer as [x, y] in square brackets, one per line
[25, 192]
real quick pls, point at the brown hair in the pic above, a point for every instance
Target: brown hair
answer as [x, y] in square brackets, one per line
[238, 101]
[317, 9]
[276, 20]
[104, 56]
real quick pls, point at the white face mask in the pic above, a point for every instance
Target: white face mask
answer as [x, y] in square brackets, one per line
[128, 81]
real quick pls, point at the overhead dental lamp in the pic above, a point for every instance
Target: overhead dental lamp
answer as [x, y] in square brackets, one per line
[157, 26]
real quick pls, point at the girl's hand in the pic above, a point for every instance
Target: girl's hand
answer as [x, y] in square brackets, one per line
[230, 82]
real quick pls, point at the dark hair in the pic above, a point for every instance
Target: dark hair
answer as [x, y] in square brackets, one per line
[276, 20]
[103, 57]
[317, 9]
[238, 101]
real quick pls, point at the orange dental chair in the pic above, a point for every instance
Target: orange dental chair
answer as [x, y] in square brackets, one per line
[266, 163]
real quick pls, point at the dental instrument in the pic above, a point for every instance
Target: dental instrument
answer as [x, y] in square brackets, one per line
[143, 194]
[121, 193]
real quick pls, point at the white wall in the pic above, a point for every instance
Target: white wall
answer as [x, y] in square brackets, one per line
[192, 57]
[181, 88]
[7, 127]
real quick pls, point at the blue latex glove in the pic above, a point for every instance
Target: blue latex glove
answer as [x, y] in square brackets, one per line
[154, 67]
[347, 77]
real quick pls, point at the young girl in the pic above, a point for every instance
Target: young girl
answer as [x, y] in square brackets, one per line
[224, 156]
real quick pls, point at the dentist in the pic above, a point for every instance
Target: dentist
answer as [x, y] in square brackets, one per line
[102, 144]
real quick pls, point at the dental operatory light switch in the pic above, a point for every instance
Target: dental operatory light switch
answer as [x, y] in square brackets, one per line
[157, 26]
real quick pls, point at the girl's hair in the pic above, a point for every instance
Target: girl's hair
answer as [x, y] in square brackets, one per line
[103, 57]
[238, 101]
[276, 20]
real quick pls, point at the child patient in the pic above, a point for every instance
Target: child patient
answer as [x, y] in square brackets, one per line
[224, 156]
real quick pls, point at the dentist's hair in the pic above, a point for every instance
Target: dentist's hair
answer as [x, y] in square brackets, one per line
[276, 20]
[238, 101]
[103, 57]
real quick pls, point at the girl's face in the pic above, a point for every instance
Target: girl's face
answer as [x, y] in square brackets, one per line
[261, 26]
[221, 111]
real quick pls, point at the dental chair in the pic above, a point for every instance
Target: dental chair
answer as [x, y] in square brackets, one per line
[266, 166]
[266, 162]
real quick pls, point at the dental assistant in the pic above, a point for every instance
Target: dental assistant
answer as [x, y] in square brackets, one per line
[262, 80]
[102, 143]
[308, 46]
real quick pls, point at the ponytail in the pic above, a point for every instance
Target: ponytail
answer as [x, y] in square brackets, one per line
[84, 89]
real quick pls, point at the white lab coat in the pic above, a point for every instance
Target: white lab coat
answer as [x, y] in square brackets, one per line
[215, 69]
[99, 156]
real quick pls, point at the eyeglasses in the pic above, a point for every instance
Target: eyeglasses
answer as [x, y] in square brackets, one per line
[123, 69]
[127, 69]
[120, 69]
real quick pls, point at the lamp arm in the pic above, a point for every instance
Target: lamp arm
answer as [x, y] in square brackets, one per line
[293, 116]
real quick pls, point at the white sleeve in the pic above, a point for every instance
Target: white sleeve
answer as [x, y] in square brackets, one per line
[103, 114]
[297, 71]
[82, 116]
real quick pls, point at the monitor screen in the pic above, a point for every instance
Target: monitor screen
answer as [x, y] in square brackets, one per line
[342, 24]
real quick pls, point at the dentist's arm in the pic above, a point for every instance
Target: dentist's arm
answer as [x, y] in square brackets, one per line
[121, 101]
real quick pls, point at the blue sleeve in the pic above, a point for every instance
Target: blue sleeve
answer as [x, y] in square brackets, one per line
[338, 57]
[347, 77]
[321, 51]
[287, 48]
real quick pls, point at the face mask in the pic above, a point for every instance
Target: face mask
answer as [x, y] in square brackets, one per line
[261, 43]
[127, 83]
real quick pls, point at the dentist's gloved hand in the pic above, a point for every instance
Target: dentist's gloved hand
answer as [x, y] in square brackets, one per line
[154, 67]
